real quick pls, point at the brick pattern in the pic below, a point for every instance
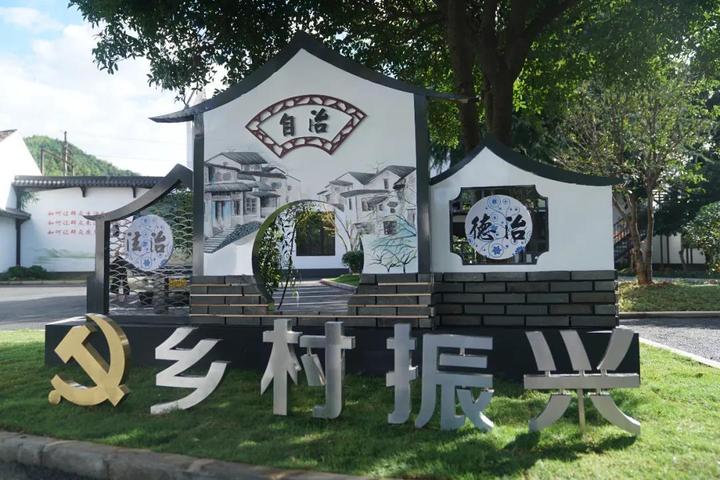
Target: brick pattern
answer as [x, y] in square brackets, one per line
[526, 299]
[224, 300]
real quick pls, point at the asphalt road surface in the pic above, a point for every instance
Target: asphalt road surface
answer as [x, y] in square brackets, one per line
[32, 306]
[700, 336]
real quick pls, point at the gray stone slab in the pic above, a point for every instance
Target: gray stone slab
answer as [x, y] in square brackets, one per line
[483, 287]
[463, 277]
[461, 320]
[485, 309]
[504, 298]
[462, 298]
[527, 287]
[548, 298]
[449, 308]
[611, 309]
[80, 458]
[505, 276]
[571, 309]
[548, 321]
[593, 275]
[593, 297]
[585, 286]
[605, 321]
[448, 287]
[546, 276]
[605, 285]
[527, 309]
[503, 320]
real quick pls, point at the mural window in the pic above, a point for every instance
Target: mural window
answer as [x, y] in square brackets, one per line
[390, 227]
[250, 205]
[315, 235]
[528, 196]
[349, 203]
[227, 176]
[411, 216]
[266, 202]
[364, 205]
[289, 188]
[211, 173]
[386, 184]
[237, 207]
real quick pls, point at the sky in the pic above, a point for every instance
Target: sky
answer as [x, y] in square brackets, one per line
[49, 84]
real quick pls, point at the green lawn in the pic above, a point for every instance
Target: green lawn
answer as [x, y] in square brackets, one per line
[665, 296]
[349, 279]
[678, 405]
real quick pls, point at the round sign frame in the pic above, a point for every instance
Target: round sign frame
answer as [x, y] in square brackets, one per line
[498, 227]
[142, 248]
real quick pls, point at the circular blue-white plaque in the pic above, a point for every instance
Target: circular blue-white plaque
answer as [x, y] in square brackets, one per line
[148, 242]
[498, 227]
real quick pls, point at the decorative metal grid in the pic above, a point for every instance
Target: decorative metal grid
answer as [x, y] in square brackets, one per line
[165, 290]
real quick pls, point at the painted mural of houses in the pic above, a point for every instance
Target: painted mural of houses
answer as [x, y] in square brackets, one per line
[241, 190]
[380, 208]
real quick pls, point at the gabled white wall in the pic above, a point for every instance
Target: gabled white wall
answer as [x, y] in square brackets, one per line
[579, 218]
[7, 243]
[15, 159]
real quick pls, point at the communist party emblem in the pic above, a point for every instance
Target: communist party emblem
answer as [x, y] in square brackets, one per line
[108, 378]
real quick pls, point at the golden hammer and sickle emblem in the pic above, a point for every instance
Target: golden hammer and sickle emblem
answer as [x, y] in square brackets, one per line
[107, 379]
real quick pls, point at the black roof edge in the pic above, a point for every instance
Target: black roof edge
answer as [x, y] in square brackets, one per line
[179, 174]
[304, 41]
[14, 213]
[524, 163]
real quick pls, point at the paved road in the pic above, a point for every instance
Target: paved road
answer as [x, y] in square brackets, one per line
[700, 336]
[32, 306]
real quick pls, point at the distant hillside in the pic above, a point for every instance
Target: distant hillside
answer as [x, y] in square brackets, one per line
[83, 163]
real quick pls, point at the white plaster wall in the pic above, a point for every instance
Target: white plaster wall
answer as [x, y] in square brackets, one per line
[235, 258]
[15, 159]
[674, 257]
[7, 243]
[386, 136]
[580, 218]
[66, 251]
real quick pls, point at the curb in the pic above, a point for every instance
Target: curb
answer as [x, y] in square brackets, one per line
[341, 286]
[105, 462]
[695, 314]
[682, 353]
[43, 282]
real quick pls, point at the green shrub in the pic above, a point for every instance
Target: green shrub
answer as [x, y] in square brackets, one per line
[703, 232]
[354, 260]
[36, 272]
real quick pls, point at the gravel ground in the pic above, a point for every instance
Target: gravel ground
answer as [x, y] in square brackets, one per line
[15, 471]
[700, 336]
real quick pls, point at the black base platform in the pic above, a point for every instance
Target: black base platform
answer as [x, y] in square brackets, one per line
[510, 358]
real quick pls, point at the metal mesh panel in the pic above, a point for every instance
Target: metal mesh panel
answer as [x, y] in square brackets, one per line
[162, 286]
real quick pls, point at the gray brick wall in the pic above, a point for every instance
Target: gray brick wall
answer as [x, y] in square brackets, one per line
[526, 299]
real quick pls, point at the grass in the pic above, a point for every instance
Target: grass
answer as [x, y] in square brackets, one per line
[348, 279]
[665, 296]
[677, 404]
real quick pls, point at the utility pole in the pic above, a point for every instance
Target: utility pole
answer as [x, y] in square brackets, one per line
[65, 154]
[42, 160]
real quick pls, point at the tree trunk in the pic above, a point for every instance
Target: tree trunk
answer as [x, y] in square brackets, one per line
[499, 117]
[462, 61]
[636, 257]
[648, 245]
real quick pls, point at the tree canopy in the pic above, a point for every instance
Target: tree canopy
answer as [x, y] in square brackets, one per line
[519, 59]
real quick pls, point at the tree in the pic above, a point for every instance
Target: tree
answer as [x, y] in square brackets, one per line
[643, 134]
[703, 232]
[507, 53]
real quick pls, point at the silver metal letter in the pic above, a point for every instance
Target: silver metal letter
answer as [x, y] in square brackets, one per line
[620, 341]
[282, 363]
[451, 381]
[403, 372]
[170, 377]
[334, 344]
